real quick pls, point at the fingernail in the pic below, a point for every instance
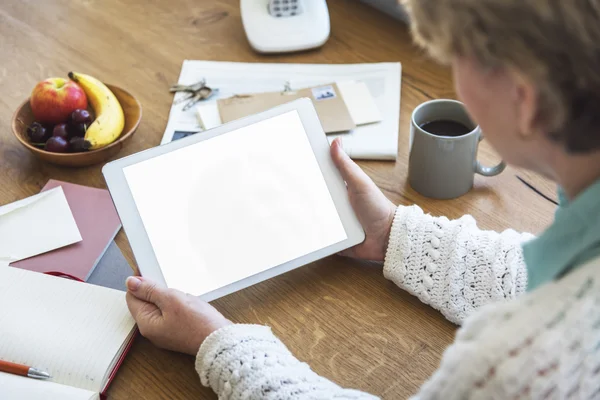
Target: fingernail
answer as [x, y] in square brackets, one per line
[133, 283]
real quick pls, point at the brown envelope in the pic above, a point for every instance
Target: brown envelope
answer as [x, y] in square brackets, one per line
[328, 102]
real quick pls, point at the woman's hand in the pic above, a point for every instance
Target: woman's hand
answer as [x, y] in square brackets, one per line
[374, 211]
[169, 318]
[180, 322]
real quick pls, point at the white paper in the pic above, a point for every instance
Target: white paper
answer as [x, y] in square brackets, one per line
[208, 115]
[254, 199]
[8, 208]
[359, 101]
[378, 141]
[36, 225]
[22, 388]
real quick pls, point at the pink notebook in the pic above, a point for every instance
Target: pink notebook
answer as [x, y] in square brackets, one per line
[98, 224]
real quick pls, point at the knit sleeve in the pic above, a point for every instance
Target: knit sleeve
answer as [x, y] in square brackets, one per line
[452, 265]
[249, 362]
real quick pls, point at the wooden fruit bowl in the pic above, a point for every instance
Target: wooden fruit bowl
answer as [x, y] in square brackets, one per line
[132, 109]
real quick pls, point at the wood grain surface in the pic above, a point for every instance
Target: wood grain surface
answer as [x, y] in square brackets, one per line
[339, 315]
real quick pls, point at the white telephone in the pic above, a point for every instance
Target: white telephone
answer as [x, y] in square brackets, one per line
[280, 26]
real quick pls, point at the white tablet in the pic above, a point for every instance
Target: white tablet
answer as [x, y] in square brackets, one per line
[219, 211]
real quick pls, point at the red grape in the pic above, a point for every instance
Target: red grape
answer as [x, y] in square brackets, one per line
[77, 129]
[78, 144]
[60, 130]
[57, 144]
[80, 116]
[37, 133]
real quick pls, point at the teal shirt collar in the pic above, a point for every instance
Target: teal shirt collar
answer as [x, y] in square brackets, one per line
[572, 240]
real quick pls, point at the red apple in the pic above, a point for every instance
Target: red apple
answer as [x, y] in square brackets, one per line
[53, 100]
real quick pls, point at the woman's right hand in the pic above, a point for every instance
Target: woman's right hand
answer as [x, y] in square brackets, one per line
[169, 318]
[374, 211]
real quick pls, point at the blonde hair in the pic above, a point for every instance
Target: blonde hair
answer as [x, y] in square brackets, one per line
[555, 43]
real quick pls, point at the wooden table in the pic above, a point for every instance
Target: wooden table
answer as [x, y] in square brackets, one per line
[339, 315]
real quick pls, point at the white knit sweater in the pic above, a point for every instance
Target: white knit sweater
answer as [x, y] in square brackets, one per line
[543, 345]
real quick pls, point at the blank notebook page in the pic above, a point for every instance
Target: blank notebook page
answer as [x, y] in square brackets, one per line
[71, 329]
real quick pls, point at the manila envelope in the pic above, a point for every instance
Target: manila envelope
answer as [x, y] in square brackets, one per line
[328, 102]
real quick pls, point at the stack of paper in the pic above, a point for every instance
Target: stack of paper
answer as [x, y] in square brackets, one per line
[65, 230]
[377, 141]
[98, 223]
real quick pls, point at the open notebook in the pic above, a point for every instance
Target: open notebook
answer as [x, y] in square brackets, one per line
[77, 332]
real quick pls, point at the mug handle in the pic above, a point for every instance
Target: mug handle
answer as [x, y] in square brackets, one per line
[489, 171]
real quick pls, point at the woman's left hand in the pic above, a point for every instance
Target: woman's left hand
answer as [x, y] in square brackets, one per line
[169, 318]
[374, 211]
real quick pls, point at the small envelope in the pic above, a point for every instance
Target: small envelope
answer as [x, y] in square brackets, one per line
[36, 225]
[207, 114]
[360, 102]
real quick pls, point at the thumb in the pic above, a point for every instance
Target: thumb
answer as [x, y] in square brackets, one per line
[146, 290]
[354, 176]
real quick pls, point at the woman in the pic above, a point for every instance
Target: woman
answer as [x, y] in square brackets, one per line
[528, 72]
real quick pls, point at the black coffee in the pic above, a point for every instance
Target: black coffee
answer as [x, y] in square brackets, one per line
[444, 127]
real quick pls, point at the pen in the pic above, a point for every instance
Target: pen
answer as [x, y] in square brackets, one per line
[23, 370]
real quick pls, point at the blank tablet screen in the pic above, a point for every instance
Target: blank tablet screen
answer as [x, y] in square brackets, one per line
[232, 206]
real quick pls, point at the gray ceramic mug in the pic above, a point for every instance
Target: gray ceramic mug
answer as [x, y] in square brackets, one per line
[444, 167]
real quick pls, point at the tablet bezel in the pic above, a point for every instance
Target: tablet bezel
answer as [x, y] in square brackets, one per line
[140, 242]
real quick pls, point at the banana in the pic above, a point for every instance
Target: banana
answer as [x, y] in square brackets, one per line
[109, 122]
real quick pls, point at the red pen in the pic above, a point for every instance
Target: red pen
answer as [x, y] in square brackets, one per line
[23, 370]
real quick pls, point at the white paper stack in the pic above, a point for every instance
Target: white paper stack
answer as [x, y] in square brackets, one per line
[375, 141]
